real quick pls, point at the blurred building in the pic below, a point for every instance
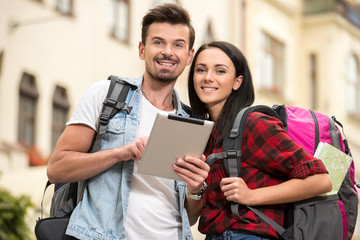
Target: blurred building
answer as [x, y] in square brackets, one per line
[301, 52]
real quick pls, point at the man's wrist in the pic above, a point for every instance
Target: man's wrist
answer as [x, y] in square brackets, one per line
[199, 195]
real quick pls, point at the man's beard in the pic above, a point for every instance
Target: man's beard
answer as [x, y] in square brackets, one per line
[164, 76]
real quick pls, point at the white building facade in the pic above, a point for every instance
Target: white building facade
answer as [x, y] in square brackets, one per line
[301, 52]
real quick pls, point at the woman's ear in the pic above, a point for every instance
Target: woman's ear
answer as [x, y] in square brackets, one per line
[237, 82]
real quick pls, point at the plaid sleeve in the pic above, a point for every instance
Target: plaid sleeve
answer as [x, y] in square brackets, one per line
[311, 167]
[267, 140]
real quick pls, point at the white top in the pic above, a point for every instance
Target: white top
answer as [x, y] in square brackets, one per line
[153, 203]
[89, 108]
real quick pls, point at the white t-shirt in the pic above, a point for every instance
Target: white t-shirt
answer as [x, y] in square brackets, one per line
[153, 208]
[89, 108]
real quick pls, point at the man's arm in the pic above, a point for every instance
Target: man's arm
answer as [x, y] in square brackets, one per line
[194, 172]
[193, 208]
[70, 160]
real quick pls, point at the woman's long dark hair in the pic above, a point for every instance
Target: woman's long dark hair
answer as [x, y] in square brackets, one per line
[244, 96]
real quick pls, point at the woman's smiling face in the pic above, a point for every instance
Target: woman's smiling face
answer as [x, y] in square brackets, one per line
[215, 78]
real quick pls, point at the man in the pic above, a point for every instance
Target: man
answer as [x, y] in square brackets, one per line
[118, 203]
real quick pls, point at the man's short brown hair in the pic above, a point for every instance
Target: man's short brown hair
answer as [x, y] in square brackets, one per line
[167, 13]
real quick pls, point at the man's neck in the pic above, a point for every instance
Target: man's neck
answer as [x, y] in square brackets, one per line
[158, 93]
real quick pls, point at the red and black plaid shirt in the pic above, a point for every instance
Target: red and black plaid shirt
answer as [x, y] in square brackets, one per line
[269, 157]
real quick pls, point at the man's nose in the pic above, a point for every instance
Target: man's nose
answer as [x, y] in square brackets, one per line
[167, 50]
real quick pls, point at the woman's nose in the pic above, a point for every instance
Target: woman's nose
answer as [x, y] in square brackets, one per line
[209, 76]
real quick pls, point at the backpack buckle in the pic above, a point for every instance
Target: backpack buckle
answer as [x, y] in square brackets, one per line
[110, 102]
[104, 118]
[233, 153]
[127, 108]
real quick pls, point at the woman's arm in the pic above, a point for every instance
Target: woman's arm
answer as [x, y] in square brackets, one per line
[235, 189]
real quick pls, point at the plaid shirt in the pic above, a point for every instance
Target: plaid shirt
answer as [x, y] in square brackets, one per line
[269, 157]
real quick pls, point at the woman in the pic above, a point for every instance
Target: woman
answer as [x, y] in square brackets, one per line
[272, 174]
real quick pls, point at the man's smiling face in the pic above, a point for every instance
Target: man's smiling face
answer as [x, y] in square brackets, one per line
[166, 52]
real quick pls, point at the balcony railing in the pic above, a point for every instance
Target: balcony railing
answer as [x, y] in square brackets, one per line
[342, 7]
[319, 6]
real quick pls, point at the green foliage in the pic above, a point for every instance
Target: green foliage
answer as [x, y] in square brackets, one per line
[12, 216]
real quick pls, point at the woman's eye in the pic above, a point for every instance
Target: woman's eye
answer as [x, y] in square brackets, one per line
[200, 70]
[221, 71]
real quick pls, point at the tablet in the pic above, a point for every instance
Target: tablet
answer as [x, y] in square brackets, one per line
[173, 136]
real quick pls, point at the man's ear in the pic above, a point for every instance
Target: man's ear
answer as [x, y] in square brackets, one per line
[190, 57]
[237, 82]
[141, 51]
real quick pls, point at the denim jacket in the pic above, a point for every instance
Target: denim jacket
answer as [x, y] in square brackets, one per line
[101, 213]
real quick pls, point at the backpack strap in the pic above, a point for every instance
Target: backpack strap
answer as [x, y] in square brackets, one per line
[238, 131]
[232, 144]
[346, 144]
[48, 183]
[231, 154]
[113, 103]
[281, 111]
[317, 130]
[278, 228]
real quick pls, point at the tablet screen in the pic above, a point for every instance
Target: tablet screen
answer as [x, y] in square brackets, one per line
[173, 136]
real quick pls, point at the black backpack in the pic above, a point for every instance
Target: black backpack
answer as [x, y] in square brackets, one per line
[302, 219]
[67, 195]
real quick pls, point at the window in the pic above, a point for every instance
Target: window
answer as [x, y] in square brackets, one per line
[158, 2]
[357, 2]
[28, 96]
[65, 7]
[353, 86]
[1, 61]
[313, 80]
[272, 64]
[60, 114]
[209, 36]
[120, 19]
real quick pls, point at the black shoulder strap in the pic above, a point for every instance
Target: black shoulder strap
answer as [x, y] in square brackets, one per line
[231, 154]
[234, 141]
[113, 103]
[186, 108]
[281, 111]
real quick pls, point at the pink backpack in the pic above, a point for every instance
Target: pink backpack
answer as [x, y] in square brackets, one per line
[319, 218]
[308, 128]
